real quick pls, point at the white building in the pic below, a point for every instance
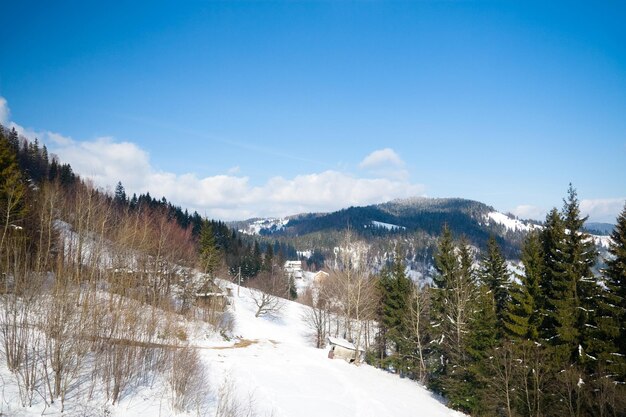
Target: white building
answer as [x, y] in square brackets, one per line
[341, 349]
[293, 269]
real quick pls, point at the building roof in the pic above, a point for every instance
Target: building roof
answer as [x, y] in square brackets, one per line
[341, 342]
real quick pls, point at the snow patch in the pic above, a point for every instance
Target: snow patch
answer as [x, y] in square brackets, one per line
[387, 226]
[270, 225]
[508, 222]
[602, 241]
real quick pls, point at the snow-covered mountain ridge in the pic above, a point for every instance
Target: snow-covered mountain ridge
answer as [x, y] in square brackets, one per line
[262, 226]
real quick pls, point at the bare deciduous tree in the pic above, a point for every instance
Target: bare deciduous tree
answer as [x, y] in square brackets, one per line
[351, 290]
[266, 291]
[418, 322]
[317, 315]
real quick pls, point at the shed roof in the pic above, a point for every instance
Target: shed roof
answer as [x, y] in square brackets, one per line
[341, 342]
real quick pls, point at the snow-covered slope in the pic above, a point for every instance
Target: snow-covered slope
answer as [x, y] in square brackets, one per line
[269, 367]
[508, 222]
[255, 227]
[602, 241]
[289, 377]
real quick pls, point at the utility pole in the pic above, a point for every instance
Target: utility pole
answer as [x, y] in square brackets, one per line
[239, 281]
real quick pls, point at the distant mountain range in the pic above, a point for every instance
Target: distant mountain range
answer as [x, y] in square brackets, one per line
[599, 228]
[413, 223]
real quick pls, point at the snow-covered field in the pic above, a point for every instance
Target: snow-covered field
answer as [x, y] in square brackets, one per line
[270, 368]
[286, 376]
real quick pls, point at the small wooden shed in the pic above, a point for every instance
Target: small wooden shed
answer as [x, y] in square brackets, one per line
[320, 276]
[341, 349]
[211, 296]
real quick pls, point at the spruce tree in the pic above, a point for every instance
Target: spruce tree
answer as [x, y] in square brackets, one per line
[494, 274]
[481, 341]
[120, 194]
[568, 282]
[447, 268]
[580, 256]
[209, 253]
[525, 311]
[395, 291]
[14, 141]
[453, 307]
[552, 239]
[268, 259]
[610, 343]
[446, 261]
[12, 193]
[257, 259]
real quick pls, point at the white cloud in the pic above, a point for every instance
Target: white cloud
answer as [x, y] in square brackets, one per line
[602, 209]
[28, 133]
[229, 196]
[526, 211]
[59, 139]
[382, 158]
[106, 161]
[385, 163]
[4, 111]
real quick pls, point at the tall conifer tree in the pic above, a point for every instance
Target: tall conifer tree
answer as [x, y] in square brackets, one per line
[494, 274]
[395, 291]
[610, 345]
[525, 312]
[552, 239]
[447, 268]
[580, 256]
[12, 193]
[209, 253]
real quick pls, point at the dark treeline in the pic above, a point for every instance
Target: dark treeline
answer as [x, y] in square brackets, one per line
[550, 341]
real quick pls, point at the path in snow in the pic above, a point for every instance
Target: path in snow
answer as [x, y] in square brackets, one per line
[286, 376]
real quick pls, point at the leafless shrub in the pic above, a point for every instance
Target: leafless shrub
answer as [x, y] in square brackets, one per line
[188, 380]
[229, 405]
[13, 329]
[226, 324]
[62, 321]
[609, 397]
[27, 373]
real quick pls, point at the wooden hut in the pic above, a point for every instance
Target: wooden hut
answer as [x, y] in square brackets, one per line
[211, 296]
[341, 349]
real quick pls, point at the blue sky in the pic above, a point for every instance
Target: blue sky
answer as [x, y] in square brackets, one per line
[241, 109]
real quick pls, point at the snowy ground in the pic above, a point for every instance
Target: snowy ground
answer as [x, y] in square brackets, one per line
[288, 377]
[271, 368]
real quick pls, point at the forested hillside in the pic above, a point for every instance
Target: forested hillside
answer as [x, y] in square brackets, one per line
[407, 228]
[547, 340]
